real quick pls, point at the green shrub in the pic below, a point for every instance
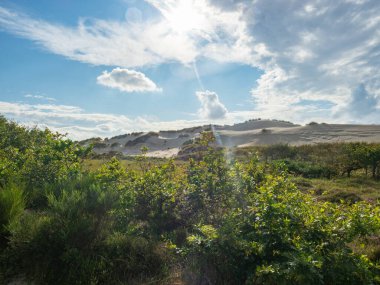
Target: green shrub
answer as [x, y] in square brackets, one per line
[74, 241]
[284, 237]
[309, 170]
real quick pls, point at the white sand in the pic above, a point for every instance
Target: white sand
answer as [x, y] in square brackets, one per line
[169, 153]
[263, 132]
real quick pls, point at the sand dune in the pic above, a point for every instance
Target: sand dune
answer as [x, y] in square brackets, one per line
[310, 134]
[254, 132]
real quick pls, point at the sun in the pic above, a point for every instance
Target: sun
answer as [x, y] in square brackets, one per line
[184, 16]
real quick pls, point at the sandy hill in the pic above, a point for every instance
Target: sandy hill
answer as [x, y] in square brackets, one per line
[253, 132]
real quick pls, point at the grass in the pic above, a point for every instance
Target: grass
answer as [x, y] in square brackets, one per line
[95, 164]
[369, 246]
[349, 189]
[128, 163]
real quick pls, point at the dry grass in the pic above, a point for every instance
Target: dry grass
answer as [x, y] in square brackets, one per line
[361, 188]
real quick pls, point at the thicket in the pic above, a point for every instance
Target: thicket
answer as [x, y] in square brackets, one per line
[214, 221]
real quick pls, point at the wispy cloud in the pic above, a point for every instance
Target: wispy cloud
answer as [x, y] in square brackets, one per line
[39, 97]
[133, 44]
[127, 81]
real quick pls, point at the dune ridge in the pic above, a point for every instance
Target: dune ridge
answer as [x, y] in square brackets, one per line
[253, 132]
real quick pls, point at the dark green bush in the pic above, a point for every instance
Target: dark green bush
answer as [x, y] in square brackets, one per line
[73, 241]
[309, 170]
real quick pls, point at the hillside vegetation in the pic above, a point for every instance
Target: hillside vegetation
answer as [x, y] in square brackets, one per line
[212, 220]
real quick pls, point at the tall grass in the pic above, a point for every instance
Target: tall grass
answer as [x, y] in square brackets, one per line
[12, 205]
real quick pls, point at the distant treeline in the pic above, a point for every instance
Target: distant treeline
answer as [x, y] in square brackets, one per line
[324, 159]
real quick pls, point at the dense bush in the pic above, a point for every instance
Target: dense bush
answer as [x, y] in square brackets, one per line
[75, 241]
[284, 237]
[309, 170]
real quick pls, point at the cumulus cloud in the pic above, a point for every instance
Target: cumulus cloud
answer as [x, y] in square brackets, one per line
[311, 50]
[127, 81]
[211, 107]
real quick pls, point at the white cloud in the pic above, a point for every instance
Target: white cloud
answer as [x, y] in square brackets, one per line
[211, 107]
[307, 49]
[313, 50]
[127, 81]
[80, 124]
[172, 37]
[39, 97]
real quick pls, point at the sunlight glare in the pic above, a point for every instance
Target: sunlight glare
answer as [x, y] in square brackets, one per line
[184, 17]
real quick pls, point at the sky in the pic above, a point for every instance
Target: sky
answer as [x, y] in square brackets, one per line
[104, 68]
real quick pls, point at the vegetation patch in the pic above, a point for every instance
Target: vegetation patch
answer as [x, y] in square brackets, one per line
[210, 220]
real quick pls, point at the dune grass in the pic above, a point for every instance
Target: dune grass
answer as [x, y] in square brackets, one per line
[352, 189]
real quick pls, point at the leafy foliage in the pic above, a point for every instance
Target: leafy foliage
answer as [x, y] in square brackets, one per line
[219, 221]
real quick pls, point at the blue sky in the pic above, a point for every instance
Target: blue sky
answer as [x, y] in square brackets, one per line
[102, 68]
